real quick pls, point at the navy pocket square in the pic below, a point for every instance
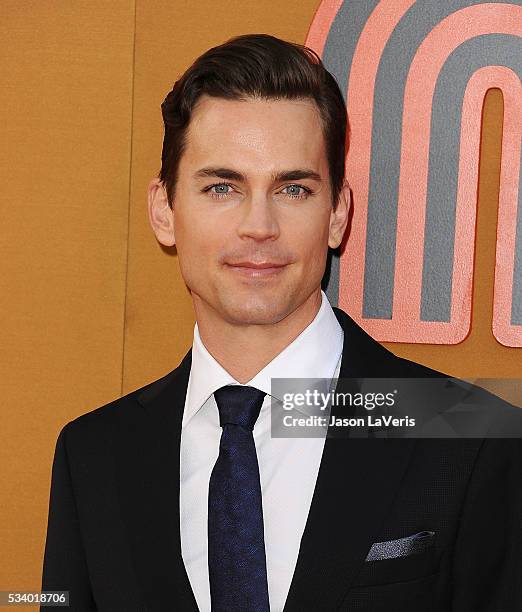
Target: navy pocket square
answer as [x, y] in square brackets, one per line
[403, 547]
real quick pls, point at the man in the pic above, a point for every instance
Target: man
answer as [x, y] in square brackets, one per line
[177, 496]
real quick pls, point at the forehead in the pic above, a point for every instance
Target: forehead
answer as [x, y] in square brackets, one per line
[260, 134]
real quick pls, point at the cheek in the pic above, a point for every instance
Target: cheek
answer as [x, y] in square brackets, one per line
[313, 248]
[199, 245]
[311, 236]
[191, 233]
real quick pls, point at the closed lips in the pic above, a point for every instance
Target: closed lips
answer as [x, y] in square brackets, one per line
[260, 266]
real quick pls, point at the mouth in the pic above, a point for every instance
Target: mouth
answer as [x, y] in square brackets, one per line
[256, 270]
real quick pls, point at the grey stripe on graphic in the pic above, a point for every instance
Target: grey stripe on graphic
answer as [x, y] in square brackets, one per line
[338, 54]
[439, 244]
[516, 305]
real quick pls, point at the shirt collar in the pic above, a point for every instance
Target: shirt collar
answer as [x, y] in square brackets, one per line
[314, 354]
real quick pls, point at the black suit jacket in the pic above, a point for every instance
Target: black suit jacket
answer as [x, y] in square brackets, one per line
[113, 536]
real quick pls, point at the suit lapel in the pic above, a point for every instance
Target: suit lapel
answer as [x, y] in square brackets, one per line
[149, 488]
[355, 486]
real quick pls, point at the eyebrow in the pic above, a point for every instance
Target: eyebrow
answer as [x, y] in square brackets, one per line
[233, 175]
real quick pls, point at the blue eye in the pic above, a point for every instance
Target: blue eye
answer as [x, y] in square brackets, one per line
[297, 191]
[219, 190]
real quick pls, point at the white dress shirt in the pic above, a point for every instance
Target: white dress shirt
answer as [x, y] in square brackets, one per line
[288, 467]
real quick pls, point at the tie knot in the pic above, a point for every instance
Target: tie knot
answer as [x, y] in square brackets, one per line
[239, 405]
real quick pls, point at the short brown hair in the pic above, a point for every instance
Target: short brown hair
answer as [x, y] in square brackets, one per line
[255, 66]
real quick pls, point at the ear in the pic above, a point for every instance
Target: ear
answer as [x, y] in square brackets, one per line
[161, 216]
[339, 217]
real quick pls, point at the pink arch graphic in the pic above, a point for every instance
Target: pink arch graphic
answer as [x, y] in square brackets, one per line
[406, 326]
[363, 73]
[429, 59]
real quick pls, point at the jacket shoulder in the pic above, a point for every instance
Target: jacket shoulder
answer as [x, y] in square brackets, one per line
[117, 409]
[375, 357]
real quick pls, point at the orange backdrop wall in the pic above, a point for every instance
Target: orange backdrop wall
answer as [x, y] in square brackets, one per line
[91, 306]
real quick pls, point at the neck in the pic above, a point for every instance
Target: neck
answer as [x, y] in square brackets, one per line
[244, 350]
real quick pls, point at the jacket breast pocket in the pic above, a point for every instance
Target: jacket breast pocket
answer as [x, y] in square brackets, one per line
[401, 560]
[406, 582]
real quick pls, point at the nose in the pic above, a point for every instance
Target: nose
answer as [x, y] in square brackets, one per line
[258, 219]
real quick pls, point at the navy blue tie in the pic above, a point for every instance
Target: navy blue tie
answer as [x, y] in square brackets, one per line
[236, 544]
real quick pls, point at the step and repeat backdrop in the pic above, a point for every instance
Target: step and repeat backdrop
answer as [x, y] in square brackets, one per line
[93, 307]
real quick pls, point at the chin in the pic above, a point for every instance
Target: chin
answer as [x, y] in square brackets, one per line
[254, 312]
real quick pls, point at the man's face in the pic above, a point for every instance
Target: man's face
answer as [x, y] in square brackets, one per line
[253, 189]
